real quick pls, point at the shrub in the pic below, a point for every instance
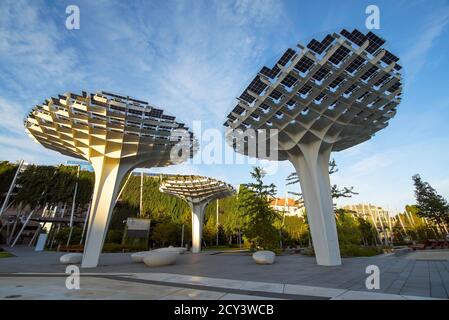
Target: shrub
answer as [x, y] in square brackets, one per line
[351, 250]
[114, 236]
[167, 233]
[63, 235]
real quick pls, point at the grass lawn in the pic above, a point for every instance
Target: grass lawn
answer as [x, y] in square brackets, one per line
[4, 254]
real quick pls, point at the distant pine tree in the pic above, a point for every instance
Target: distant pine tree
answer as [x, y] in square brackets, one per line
[430, 204]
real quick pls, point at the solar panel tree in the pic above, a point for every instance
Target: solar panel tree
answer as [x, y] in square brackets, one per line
[115, 134]
[327, 96]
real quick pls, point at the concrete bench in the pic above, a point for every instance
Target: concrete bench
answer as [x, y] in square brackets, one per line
[160, 258]
[264, 257]
[138, 256]
[180, 250]
[71, 258]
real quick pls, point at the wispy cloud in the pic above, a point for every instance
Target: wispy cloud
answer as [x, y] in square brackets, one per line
[11, 115]
[192, 58]
[33, 51]
[416, 57]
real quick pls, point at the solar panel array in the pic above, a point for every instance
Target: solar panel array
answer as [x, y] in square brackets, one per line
[195, 189]
[340, 90]
[111, 125]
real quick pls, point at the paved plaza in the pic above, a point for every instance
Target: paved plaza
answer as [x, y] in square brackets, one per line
[219, 275]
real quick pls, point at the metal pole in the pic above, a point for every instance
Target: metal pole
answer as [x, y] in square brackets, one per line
[182, 236]
[11, 188]
[7, 232]
[390, 225]
[14, 226]
[141, 194]
[149, 231]
[382, 226]
[38, 230]
[217, 225]
[85, 221]
[123, 188]
[23, 228]
[74, 197]
[73, 206]
[412, 219]
[402, 225]
[9, 205]
[55, 232]
[444, 226]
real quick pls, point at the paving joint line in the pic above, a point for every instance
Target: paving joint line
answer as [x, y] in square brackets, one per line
[220, 289]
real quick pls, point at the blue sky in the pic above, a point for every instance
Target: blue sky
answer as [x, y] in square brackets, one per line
[192, 58]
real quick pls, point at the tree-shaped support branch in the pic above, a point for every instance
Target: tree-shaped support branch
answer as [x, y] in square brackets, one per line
[198, 211]
[198, 192]
[108, 176]
[312, 167]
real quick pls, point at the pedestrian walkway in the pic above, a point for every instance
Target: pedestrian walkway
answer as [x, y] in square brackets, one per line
[291, 277]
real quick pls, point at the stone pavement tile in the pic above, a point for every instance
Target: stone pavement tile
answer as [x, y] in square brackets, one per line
[429, 255]
[396, 284]
[438, 291]
[86, 294]
[415, 291]
[193, 294]
[386, 281]
[26, 296]
[90, 288]
[358, 286]
[263, 286]
[407, 297]
[418, 282]
[234, 296]
[312, 291]
[202, 270]
[119, 285]
[406, 273]
[361, 295]
[444, 275]
[393, 290]
[135, 296]
[213, 282]
[150, 276]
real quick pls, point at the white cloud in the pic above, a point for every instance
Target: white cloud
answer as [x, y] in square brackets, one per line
[372, 163]
[416, 57]
[11, 115]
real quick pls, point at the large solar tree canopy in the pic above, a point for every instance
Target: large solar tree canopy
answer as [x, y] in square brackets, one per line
[328, 96]
[115, 134]
[198, 192]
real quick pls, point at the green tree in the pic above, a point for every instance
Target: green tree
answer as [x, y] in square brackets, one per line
[348, 228]
[254, 205]
[230, 217]
[295, 231]
[7, 172]
[430, 204]
[410, 226]
[169, 233]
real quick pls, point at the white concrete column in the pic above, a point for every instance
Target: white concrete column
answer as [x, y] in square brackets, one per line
[108, 175]
[198, 211]
[312, 167]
